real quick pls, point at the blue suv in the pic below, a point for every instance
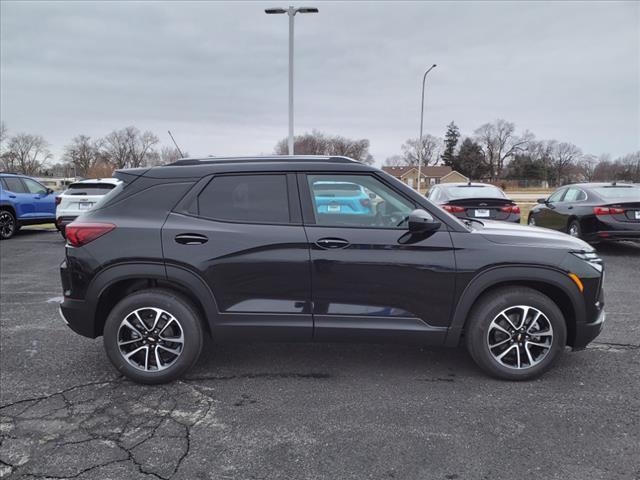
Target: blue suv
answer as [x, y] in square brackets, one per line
[24, 201]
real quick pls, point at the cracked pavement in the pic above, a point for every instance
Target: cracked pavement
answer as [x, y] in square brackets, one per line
[308, 411]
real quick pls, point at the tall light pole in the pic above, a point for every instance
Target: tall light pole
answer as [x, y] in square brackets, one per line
[424, 78]
[291, 11]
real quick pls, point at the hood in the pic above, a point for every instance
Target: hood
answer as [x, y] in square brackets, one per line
[515, 234]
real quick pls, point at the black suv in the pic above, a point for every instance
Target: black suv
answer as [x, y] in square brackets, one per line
[316, 248]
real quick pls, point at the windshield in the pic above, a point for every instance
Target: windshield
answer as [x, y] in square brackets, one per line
[475, 191]
[618, 192]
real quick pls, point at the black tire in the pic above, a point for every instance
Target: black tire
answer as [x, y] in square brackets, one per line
[8, 224]
[174, 304]
[574, 229]
[63, 232]
[489, 307]
[531, 220]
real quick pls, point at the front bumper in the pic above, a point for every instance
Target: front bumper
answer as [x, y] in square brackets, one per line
[587, 332]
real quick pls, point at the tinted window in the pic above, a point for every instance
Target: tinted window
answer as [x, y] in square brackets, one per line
[619, 192]
[475, 191]
[89, 188]
[246, 198]
[370, 204]
[574, 195]
[557, 195]
[14, 185]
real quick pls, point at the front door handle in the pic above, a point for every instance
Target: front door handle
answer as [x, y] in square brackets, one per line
[569, 208]
[332, 243]
[191, 239]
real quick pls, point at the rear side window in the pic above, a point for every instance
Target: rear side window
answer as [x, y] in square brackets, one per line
[14, 185]
[89, 188]
[246, 198]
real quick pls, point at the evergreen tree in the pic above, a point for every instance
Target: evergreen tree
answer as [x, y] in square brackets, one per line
[470, 160]
[450, 143]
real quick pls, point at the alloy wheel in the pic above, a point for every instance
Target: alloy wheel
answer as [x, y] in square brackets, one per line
[573, 230]
[532, 220]
[150, 339]
[7, 224]
[520, 337]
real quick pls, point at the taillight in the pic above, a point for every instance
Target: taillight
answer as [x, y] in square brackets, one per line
[607, 210]
[79, 234]
[58, 200]
[453, 208]
[510, 209]
[365, 202]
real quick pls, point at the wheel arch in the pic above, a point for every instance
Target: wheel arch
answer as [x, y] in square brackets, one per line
[551, 282]
[109, 287]
[10, 208]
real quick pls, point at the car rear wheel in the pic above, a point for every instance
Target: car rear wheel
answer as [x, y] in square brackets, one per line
[515, 333]
[153, 336]
[8, 225]
[574, 229]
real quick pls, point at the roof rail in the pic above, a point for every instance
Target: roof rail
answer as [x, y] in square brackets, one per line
[272, 158]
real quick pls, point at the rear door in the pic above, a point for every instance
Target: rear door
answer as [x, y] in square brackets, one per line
[370, 278]
[17, 192]
[243, 235]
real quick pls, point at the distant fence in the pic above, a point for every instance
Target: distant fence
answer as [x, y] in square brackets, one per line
[513, 184]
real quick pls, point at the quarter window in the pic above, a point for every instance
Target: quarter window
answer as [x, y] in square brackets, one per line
[246, 198]
[357, 201]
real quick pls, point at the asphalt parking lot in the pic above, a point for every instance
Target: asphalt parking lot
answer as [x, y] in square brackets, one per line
[308, 411]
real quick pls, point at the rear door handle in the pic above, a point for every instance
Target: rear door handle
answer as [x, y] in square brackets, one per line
[191, 239]
[332, 243]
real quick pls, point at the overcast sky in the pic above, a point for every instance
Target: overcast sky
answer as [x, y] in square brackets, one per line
[216, 73]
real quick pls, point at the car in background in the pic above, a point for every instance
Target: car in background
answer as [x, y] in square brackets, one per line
[341, 198]
[592, 211]
[475, 200]
[80, 197]
[24, 201]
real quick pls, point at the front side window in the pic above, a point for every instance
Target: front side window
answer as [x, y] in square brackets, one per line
[35, 187]
[14, 185]
[357, 201]
[246, 198]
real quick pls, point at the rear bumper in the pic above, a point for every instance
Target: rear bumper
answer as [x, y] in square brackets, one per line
[64, 220]
[76, 315]
[633, 236]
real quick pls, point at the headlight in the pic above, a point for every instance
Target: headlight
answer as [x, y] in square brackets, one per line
[592, 257]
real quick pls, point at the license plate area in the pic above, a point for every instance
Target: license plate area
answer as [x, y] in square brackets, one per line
[333, 208]
[85, 205]
[637, 213]
[483, 212]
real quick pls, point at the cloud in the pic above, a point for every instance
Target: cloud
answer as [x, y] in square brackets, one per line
[216, 73]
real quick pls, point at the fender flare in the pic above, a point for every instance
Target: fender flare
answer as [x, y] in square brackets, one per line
[188, 280]
[505, 274]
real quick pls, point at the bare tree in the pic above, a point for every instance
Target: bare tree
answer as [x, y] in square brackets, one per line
[83, 154]
[318, 143]
[587, 166]
[499, 143]
[26, 153]
[430, 150]
[563, 156]
[129, 147]
[394, 161]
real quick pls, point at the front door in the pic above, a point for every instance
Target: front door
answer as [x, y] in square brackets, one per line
[245, 238]
[43, 201]
[550, 216]
[370, 278]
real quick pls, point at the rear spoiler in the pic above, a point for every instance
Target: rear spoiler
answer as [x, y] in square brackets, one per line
[129, 174]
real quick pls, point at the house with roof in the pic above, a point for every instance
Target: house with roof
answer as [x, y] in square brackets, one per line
[431, 175]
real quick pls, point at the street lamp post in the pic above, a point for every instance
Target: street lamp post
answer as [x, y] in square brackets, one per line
[291, 11]
[424, 78]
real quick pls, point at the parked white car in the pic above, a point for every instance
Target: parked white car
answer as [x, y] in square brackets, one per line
[81, 197]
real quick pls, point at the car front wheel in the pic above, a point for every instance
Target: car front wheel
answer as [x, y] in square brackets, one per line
[153, 336]
[8, 225]
[532, 220]
[515, 333]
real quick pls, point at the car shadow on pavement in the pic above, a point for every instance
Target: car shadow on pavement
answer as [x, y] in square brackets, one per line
[618, 248]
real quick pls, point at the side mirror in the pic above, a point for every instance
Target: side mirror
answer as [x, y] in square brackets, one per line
[542, 200]
[421, 222]
[49, 191]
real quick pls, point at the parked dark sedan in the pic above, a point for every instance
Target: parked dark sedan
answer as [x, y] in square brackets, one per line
[592, 211]
[475, 200]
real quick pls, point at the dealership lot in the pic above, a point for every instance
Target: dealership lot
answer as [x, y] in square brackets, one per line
[332, 411]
